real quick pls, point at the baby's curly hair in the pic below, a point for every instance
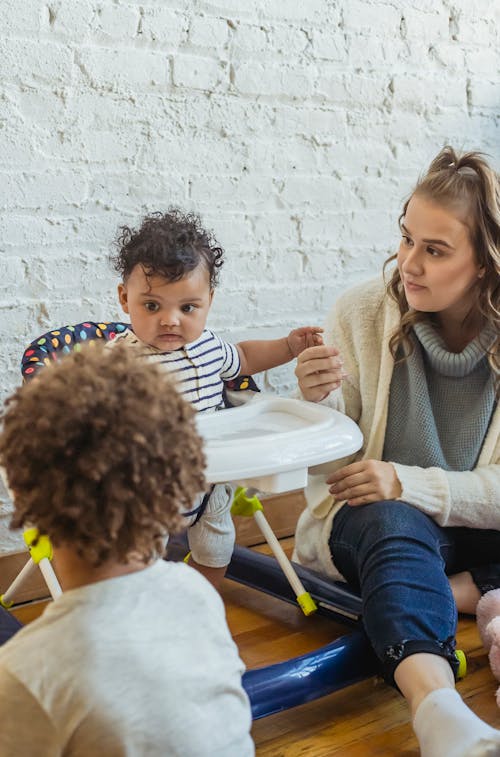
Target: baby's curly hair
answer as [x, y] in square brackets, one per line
[168, 244]
[102, 452]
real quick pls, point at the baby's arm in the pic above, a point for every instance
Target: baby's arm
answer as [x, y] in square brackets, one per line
[261, 354]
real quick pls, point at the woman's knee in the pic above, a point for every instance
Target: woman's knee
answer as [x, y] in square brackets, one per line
[381, 520]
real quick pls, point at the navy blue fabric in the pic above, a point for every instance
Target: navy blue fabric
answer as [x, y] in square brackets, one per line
[398, 558]
[9, 625]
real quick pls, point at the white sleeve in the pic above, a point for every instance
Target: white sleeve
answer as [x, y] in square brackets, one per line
[454, 498]
[211, 539]
[25, 727]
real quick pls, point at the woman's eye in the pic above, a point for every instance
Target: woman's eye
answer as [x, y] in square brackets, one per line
[432, 251]
[187, 308]
[406, 240]
[151, 307]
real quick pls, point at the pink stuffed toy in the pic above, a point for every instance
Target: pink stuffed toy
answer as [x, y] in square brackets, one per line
[488, 622]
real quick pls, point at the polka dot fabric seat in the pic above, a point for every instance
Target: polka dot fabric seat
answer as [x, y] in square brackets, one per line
[53, 344]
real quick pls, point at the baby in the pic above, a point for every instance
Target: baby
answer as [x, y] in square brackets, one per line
[169, 270]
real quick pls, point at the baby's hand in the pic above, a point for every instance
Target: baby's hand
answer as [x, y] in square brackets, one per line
[306, 336]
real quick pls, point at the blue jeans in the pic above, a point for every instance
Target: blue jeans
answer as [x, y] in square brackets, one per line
[399, 559]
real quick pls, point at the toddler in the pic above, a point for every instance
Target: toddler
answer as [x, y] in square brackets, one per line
[169, 270]
[135, 657]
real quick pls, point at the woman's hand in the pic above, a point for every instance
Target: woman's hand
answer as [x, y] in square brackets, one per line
[319, 371]
[364, 482]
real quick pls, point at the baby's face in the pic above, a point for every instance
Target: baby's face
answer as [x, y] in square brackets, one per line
[164, 314]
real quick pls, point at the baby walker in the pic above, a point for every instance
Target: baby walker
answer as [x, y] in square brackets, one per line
[266, 445]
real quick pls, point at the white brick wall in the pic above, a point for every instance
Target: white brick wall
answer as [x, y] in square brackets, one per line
[296, 129]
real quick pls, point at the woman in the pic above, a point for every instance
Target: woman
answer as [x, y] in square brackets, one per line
[419, 364]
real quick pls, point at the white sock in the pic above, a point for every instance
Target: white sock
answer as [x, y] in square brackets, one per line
[446, 727]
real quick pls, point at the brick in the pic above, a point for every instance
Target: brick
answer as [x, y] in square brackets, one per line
[252, 77]
[372, 18]
[33, 190]
[484, 94]
[196, 72]
[164, 26]
[122, 70]
[116, 22]
[28, 62]
[19, 17]
[206, 31]
[69, 20]
[250, 38]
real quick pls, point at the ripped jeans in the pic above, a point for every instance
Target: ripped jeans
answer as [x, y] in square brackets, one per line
[398, 558]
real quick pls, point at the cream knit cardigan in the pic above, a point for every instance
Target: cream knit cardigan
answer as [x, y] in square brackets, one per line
[360, 325]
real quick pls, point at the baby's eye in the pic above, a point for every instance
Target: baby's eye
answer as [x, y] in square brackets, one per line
[188, 308]
[151, 307]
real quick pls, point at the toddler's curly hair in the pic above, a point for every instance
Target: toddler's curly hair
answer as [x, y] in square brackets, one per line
[102, 453]
[168, 244]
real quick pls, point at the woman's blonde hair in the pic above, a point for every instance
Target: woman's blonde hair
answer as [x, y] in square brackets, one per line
[466, 183]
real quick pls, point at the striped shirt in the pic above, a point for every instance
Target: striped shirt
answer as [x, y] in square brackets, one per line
[200, 367]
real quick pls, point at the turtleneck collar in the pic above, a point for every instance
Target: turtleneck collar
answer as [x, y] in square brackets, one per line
[448, 363]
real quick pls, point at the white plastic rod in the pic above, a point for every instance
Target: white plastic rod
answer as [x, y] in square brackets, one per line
[279, 554]
[18, 581]
[50, 577]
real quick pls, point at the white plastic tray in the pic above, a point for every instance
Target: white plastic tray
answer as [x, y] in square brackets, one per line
[270, 443]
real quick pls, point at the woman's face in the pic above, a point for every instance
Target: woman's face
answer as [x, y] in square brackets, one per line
[436, 260]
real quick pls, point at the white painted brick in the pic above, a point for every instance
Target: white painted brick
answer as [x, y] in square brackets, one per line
[28, 62]
[22, 17]
[140, 193]
[206, 31]
[262, 9]
[315, 191]
[372, 18]
[250, 38]
[196, 72]
[473, 32]
[289, 41]
[253, 77]
[318, 123]
[330, 47]
[425, 26]
[49, 190]
[69, 20]
[164, 26]
[356, 89]
[449, 56]
[485, 94]
[233, 191]
[484, 61]
[116, 22]
[122, 70]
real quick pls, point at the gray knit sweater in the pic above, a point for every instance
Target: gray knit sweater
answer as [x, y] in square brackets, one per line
[440, 403]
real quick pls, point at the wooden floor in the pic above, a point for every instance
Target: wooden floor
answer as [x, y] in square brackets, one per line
[366, 719]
